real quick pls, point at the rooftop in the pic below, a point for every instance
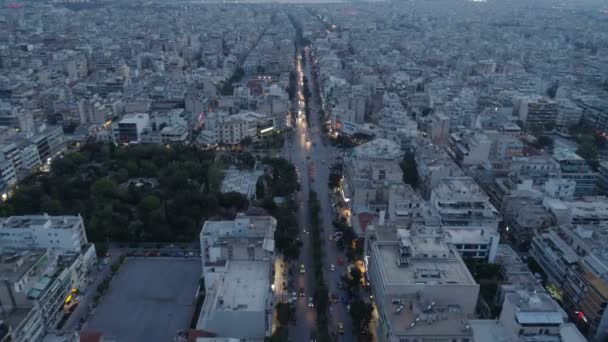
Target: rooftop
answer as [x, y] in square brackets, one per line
[242, 226]
[464, 187]
[15, 264]
[40, 221]
[244, 286]
[241, 181]
[379, 149]
[430, 260]
[420, 317]
[563, 154]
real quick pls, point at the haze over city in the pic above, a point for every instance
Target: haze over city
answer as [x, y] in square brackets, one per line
[294, 171]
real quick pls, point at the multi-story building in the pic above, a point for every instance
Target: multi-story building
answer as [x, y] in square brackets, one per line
[44, 263]
[404, 205]
[49, 142]
[43, 231]
[523, 217]
[130, 127]
[536, 111]
[421, 286]
[433, 163]
[8, 177]
[470, 147]
[366, 182]
[237, 260]
[585, 211]
[575, 168]
[527, 316]
[574, 259]
[468, 217]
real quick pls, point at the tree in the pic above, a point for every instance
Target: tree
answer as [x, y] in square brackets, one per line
[361, 313]
[410, 169]
[284, 313]
[587, 149]
[101, 248]
[233, 200]
[544, 142]
[150, 203]
[552, 90]
[247, 141]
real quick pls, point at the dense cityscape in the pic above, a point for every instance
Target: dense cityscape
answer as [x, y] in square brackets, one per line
[391, 171]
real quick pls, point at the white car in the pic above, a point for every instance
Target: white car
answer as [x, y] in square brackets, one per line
[310, 303]
[331, 267]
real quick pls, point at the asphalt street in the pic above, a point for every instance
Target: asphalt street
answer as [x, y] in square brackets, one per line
[307, 150]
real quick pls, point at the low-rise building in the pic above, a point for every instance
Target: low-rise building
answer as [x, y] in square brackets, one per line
[241, 181]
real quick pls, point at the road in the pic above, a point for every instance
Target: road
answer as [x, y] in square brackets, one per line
[307, 150]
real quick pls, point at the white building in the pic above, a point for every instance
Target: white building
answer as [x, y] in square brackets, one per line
[130, 127]
[237, 261]
[527, 317]
[421, 286]
[468, 217]
[241, 181]
[43, 231]
[379, 149]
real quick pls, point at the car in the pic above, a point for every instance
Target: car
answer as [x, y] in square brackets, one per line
[313, 336]
[302, 269]
[331, 267]
[106, 261]
[311, 304]
[341, 328]
[302, 294]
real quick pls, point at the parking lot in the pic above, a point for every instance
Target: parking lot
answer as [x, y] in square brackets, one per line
[150, 299]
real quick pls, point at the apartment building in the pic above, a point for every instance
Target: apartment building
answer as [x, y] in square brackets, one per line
[536, 110]
[366, 182]
[130, 127]
[467, 216]
[43, 231]
[237, 261]
[574, 259]
[421, 286]
[41, 276]
[574, 167]
[527, 316]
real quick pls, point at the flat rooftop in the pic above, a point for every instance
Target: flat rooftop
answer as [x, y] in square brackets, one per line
[242, 226]
[448, 270]
[148, 300]
[458, 187]
[15, 264]
[240, 181]
[244, 286]
[40, 221]
[425, 319]
[563, 154]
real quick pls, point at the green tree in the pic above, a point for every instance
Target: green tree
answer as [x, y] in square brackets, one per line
[410, 169]
[104, 187]
[361, 313]
[544, 142]
[150, 203]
